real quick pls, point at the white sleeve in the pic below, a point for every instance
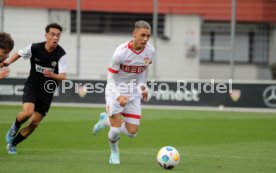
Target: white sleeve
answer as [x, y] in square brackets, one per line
[111, 85]
[113, 69]
[145, 76]
[115, 63]
[26, 52]
[146, 72]
[62, 64]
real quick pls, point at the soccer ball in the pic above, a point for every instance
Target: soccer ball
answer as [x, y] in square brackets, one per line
[168, 157]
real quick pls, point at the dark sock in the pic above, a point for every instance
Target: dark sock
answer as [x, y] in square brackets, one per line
[19, 138]
[17, 124]
[114, 141]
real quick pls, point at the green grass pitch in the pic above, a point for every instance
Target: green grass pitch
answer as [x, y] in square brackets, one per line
[208, 142]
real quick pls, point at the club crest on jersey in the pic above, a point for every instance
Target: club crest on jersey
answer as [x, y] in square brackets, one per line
[146, 61]
[54, 63]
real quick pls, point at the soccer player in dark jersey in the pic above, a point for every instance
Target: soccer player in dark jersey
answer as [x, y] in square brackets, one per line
[48, 67]
[6, 45]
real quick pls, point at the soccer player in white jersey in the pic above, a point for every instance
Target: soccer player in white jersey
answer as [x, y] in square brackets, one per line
[126, 87]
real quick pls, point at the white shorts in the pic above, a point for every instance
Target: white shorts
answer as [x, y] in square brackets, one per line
[131, 111]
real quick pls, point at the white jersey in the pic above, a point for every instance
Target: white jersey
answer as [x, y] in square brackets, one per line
[129, 67]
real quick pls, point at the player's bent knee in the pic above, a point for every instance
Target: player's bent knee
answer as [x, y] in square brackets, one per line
[132, 133]
[27, 113]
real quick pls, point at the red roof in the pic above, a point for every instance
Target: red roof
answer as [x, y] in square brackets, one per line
[212, 10]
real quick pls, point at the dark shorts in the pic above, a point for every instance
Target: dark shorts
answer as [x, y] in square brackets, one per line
[41, 101]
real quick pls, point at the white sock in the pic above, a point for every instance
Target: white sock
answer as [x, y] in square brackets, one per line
[114, 136]
[124, 130]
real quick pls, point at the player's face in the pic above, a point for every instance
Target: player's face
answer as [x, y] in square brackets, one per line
[3, 54]
[53, 37]
[141, 37]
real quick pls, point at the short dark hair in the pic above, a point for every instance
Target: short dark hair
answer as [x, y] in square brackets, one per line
[6, 42]
[53, 25]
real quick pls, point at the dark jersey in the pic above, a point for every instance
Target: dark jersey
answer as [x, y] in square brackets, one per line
[41, 59]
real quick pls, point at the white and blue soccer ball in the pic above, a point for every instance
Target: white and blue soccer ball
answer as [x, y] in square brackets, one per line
[168, 157]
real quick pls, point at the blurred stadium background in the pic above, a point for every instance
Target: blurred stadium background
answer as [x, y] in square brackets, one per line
[194, 37]
[196, 41]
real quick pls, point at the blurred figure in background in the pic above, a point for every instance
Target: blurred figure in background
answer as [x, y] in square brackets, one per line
[6, 46]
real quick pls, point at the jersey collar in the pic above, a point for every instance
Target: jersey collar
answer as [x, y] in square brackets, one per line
[133, 50]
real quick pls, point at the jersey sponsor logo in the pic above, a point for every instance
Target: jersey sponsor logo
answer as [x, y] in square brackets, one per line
[133, 69]
[40, 69]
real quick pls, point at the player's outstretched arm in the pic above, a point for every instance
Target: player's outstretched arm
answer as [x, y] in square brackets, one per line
[11, 60]
[143, 84]
[59, 77]
[111, 86]
[4, 72]
[62, 66]
[122, 100]
[144, 93]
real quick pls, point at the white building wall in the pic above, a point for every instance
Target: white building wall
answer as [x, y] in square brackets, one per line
[221, 71]
[173, 61]
[272, 45]
[25, 27]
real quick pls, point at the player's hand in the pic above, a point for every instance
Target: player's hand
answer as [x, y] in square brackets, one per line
[122, 100]
[144, 93]
[48, 73]
[4, 64]
[145, 96]
[4, 72]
